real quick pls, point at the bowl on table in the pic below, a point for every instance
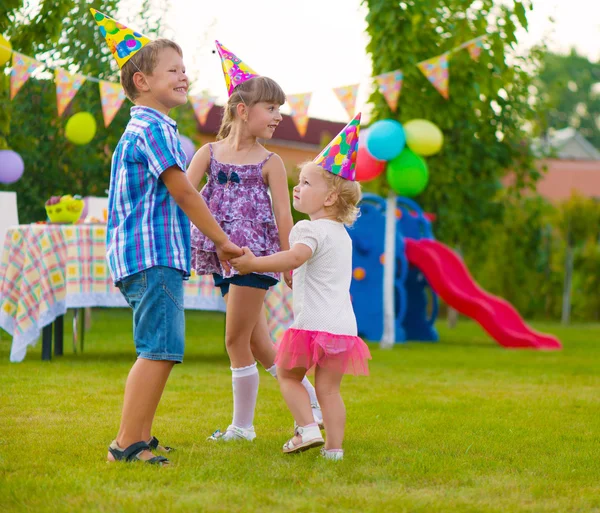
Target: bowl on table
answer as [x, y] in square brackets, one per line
[64, 209]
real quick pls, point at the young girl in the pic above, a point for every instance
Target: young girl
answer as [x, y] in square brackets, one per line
[324, 333]
[240, 174]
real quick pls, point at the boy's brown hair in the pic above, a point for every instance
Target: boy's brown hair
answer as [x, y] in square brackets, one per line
[145, 61]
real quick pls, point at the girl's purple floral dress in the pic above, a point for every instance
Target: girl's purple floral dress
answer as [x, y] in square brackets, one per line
[237, 197]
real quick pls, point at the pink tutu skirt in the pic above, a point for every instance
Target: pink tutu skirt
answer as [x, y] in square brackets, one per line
[345, 354]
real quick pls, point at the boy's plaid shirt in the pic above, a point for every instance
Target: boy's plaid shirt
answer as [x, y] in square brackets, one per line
[146, 227]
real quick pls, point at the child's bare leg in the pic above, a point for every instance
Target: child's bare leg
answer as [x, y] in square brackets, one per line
[143, 390]
[244, 305]
[328, 383]
[295, 395]
[261, 343]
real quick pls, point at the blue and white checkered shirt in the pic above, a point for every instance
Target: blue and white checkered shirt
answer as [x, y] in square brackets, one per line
[146, 227]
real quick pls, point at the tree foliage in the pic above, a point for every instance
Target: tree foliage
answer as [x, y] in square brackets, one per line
[483, 120]
[567, 86]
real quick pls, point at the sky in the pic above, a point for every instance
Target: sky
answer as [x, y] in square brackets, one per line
[316, 45]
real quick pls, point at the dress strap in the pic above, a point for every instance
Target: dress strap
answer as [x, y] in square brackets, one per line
[267, 158]
[211, 150]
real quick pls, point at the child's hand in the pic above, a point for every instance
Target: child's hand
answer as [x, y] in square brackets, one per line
[227, 251]
[287, 276]
[244, 264]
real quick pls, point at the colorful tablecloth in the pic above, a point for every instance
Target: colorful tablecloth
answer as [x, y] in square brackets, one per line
[46, 269]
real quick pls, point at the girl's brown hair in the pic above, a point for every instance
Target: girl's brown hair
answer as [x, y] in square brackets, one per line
[251, 92]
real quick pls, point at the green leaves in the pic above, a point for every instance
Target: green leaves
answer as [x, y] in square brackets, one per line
[482, 120]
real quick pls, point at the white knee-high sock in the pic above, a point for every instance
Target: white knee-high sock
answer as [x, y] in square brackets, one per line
[245, 390]
[307, 385]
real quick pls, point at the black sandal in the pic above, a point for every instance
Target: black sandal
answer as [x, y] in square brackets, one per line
[154, 444]
[132, 453]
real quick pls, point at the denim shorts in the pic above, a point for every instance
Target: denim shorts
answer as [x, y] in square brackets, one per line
[156, 298]
[257, 281]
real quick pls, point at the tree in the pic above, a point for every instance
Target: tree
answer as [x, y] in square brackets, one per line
[62, 34]
[566, 85]
[483, 118]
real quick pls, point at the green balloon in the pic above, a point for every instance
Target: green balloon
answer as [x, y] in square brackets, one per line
[407, 174]
[81, 128]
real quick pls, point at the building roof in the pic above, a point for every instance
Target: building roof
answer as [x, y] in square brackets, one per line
[286, 131]
[568, 144]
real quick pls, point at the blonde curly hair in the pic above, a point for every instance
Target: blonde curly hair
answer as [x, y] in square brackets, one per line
[349, 194]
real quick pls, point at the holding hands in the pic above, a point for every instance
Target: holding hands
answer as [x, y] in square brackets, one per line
[244, 264]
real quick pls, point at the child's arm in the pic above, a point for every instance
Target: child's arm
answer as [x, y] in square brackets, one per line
[198, 166]
[279, 262]
[278, 185]
[193, 204]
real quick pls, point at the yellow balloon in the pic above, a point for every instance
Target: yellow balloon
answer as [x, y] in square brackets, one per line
[5, 51]
[423, 137]
[81, 128]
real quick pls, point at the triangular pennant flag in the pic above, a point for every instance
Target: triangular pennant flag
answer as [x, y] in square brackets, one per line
[22, 67]
[111, 96]
[339, 156]
[390, 85]
[474, 48]
[235, 70]
[436, 71]
[67, 86]
[202, 106]
[299, 110]
[347, 96]
[122, 41]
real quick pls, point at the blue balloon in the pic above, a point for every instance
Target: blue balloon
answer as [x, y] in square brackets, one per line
[386, 139]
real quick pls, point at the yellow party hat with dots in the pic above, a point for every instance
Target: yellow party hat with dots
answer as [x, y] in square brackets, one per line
[122, 41]
[339, 156]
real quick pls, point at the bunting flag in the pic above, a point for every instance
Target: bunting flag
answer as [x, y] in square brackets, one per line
[22, 67]
[436, 71]
[67, 86]
[202, 106]
[474, 47]
[299, 110]
[347, 96]
[390, 85]
[111, 96]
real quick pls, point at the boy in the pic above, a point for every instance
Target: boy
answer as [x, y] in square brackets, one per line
[148, 232]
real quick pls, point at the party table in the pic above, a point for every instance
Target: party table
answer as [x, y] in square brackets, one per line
[48, 268]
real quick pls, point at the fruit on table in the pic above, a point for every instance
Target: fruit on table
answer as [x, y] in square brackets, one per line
[64, 209]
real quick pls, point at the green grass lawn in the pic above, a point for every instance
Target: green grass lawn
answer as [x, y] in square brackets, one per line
[460, 425]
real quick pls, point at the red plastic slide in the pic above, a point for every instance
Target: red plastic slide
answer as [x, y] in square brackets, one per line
[449, 277]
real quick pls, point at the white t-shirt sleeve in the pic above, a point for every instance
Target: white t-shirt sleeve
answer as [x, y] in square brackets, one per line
[307, 233]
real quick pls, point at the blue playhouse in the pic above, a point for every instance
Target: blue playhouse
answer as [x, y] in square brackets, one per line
[415, 302]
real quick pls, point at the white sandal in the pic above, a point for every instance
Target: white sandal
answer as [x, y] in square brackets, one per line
[310, 437]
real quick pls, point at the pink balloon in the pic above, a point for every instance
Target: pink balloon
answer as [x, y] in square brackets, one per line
[367, 166]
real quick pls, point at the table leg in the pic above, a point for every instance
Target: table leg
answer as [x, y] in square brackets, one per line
[83, 323]
[58, 335]
[47, 342]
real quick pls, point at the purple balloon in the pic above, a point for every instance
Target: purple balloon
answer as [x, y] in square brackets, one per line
[188, 147]
[11, 166]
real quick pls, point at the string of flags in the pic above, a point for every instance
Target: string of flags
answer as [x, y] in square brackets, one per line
[68, 84]
[389, 84]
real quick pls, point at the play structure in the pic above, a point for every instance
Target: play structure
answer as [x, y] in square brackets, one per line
[424, 269]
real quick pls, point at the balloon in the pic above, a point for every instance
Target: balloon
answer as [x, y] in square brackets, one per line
[188, 147]
[81, 128]
[407, 174]
[423, 137]
[386, 139]
[368, 167]
[11, 166]
[362, 138]
[5, 51]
